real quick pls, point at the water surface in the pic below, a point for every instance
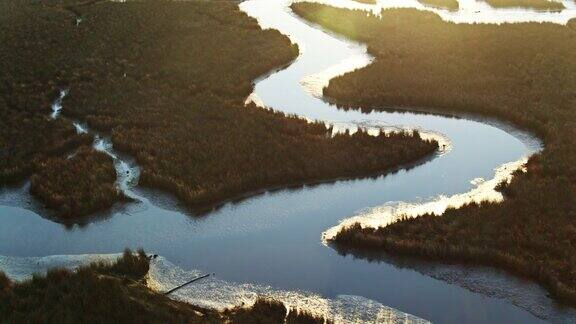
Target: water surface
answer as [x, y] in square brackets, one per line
[274, 240]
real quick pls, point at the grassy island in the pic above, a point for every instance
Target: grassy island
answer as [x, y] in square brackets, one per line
[522, 73]
[546, 5]
[26, 136]
[168, 81]
[442, 4]
[76, 186]
[117, 293]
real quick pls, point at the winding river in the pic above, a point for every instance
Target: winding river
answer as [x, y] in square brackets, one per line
[272, 243]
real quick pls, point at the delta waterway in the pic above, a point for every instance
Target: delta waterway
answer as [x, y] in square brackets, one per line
[273, 243]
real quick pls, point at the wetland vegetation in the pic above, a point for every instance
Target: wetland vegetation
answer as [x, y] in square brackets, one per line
[366, 1]
[28, 135]
[532, 4]
[272, 311]
[521, 73]
[442, 4]
[76, 186]
[96, 293]
[104, 292]
[171, 95]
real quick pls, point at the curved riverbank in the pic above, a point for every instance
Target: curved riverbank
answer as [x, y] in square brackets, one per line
[273, 240]
[74, 294]
[186, 124]
[475, 76]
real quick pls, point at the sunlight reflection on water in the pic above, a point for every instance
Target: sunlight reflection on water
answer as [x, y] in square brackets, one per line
[381, 216]
[470, 11]
[216, 293]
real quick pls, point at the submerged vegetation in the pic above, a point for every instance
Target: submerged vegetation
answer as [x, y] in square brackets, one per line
[168, 81]
[523, 73]
[549, 5]
[76, 186]
[116, 292]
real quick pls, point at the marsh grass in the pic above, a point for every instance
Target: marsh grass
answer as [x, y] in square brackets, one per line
[304, 317]
[366, 1]
[442, 4]
[522, 73]
[105, 292]
[76, 186]
[271, 311]
[168, 80]
[544, 5]
[97, 293]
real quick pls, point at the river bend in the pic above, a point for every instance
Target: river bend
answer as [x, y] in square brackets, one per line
[272, 243]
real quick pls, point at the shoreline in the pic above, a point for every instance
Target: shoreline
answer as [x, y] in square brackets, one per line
[474, 257]
[431, 246]
[202, 209]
